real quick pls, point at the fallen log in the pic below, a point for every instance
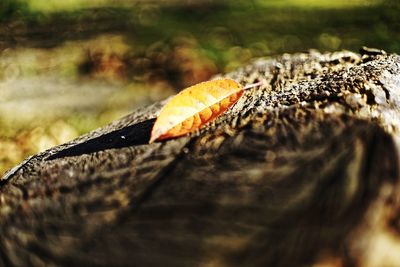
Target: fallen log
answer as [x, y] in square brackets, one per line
[303, 170]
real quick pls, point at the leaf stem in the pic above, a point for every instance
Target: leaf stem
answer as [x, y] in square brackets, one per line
[249, 86]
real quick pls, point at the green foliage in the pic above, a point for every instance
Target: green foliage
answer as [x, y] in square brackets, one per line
[9, 8]
[223, 29]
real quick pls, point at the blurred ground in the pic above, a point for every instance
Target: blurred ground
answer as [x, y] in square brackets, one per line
[70, 66]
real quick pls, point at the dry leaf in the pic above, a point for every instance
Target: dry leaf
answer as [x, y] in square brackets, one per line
[193, 107]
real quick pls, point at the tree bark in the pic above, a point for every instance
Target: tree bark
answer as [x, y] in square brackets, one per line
[302, 171]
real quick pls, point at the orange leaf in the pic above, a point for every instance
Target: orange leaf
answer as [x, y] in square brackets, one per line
[193, 107]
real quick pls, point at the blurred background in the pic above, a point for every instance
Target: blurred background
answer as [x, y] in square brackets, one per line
[67, 67]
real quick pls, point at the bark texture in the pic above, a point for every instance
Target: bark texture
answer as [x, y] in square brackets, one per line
[303, 170]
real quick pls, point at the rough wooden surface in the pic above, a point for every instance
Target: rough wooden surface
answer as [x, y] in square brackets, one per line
[301, 171]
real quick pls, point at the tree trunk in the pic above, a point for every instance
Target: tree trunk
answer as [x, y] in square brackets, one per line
[301, 171]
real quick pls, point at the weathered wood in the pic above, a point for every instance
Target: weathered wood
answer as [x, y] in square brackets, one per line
[301, 171]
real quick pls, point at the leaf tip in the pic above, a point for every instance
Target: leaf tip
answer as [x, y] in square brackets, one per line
[156, 133]
[153, 138]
